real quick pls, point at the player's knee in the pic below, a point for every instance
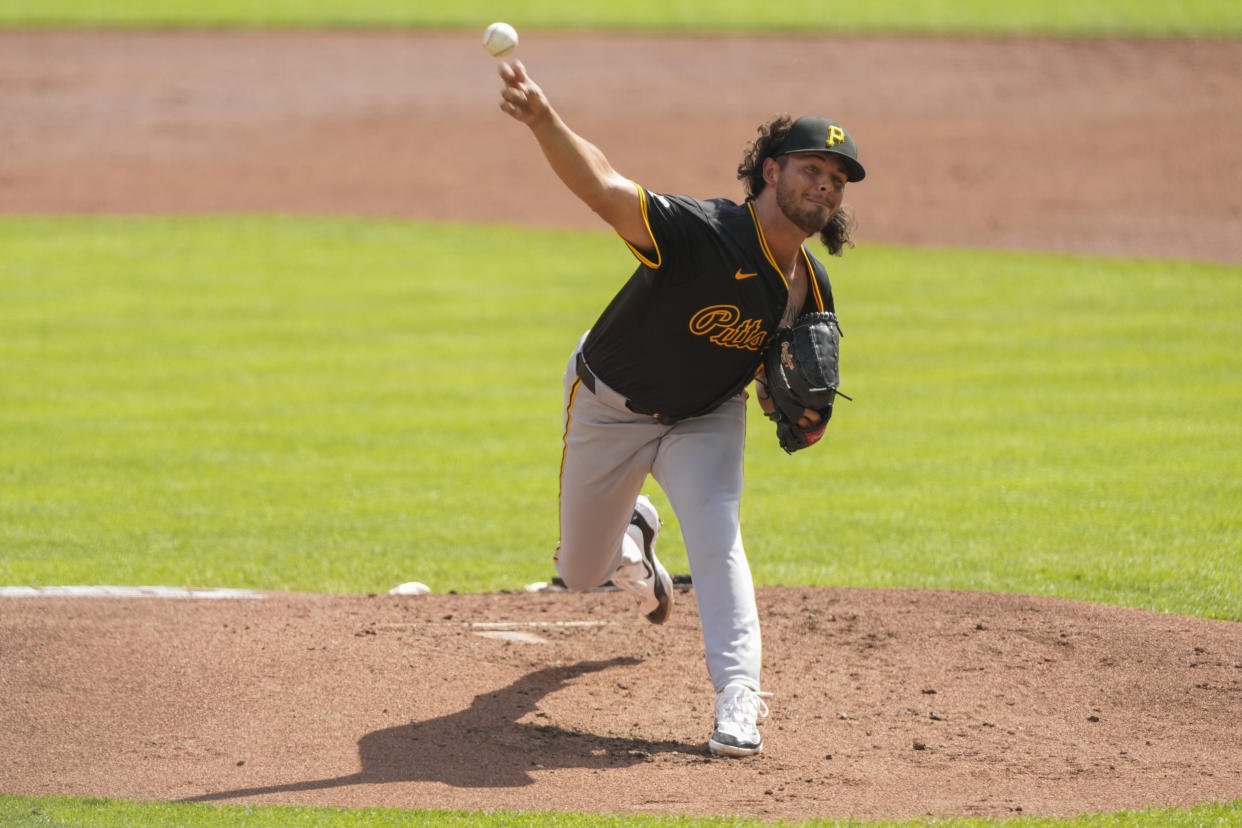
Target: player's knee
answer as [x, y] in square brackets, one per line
[579, 585]
[579, 576]
[580, 582]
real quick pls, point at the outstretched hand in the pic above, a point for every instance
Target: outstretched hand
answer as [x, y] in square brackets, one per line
[521, 97]
[576, 161]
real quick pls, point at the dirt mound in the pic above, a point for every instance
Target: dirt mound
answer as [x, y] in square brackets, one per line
[888, 703]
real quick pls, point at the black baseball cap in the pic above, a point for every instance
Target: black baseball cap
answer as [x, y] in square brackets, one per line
[822, 135]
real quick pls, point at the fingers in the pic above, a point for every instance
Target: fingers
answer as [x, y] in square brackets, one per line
[520, 97]
[510, 102]
[512, 71]
[810, 417]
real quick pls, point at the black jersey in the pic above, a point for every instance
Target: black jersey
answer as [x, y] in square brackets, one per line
[689, 328]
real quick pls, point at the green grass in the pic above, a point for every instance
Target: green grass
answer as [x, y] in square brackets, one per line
[303, 405]
[1218, 18]
[1037, 424]
[341, 406]
[18, 812]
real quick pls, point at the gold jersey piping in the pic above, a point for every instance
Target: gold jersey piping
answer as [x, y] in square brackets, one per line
[642, 205]
[806, 258]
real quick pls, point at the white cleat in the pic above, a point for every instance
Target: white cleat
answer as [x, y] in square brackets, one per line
[738, 710]
[647, 579]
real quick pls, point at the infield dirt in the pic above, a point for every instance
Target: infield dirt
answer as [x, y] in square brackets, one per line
[888, 703]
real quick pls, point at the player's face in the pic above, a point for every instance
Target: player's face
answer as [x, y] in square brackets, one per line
[810, 189]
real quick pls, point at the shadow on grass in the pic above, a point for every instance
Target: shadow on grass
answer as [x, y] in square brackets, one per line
[483, 746]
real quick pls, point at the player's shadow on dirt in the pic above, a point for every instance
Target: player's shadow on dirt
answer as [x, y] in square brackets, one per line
[484, 746]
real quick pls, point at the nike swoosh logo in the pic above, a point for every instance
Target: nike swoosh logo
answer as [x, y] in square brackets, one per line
[740, 275]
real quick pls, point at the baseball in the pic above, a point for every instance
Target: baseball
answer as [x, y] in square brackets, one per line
[500, 39]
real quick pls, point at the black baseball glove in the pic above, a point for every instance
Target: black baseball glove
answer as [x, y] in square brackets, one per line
[800, 369]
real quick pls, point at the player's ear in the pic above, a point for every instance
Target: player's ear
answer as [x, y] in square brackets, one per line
[771, 170]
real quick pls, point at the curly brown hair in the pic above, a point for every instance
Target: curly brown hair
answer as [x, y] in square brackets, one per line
[836, 236]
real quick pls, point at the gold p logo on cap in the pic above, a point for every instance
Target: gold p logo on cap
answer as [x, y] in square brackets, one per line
[822, 135]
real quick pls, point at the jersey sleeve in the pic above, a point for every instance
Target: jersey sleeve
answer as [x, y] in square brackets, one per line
[666, 218]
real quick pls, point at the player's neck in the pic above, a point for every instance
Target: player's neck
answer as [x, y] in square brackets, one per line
[784, 238]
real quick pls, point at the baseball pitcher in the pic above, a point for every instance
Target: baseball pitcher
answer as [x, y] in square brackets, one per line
[656, 387]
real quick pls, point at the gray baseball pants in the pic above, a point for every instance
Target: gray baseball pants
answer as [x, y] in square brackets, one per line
[609, 452]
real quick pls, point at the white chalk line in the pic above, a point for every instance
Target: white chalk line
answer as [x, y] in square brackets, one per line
[511, 630]
[513, 635]
[504, 630]
[124, 592]
[104, 591]
[508, 625]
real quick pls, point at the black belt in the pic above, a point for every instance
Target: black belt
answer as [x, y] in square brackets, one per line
[588, 379]
[584, 373]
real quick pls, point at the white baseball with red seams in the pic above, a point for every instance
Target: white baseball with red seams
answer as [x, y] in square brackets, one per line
[500, 39]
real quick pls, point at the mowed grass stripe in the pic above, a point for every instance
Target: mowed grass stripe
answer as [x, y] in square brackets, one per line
[1218, 18]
